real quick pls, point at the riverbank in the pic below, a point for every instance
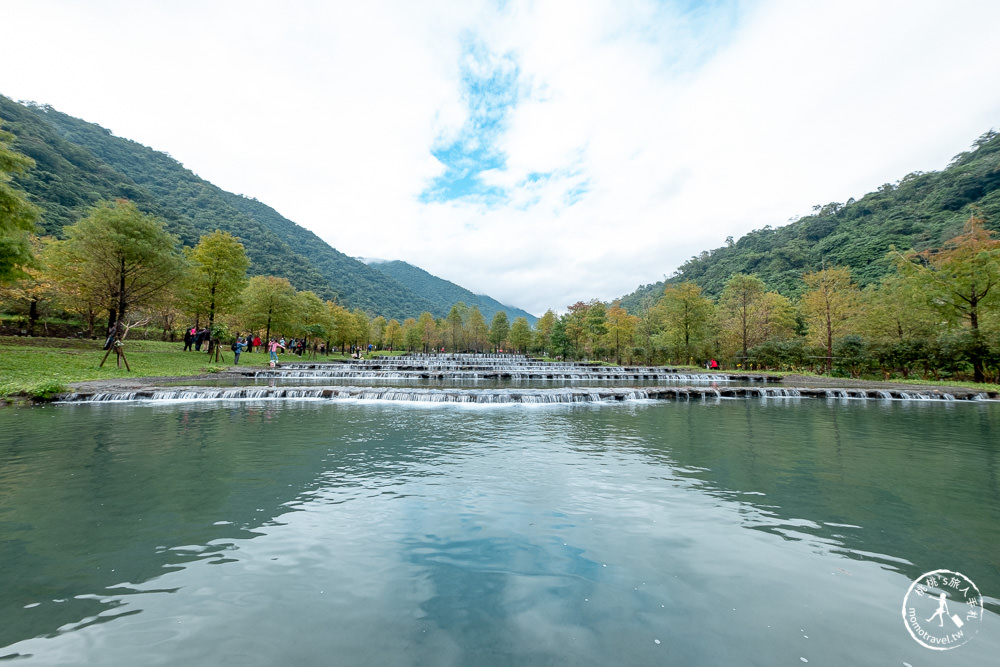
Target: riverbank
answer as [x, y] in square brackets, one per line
[42, 370]
[226, 384]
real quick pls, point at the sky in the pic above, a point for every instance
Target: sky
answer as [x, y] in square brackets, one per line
[542, 153]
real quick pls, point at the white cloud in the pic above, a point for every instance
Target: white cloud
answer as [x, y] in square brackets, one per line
[641, 135]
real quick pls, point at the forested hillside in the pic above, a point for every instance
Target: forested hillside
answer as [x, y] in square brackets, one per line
[921, 211]
[79, 164]
[443, 293]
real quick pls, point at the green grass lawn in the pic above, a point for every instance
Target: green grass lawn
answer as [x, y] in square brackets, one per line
[45, 366]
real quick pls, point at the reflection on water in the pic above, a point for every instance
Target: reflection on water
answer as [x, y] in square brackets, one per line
[726, 532]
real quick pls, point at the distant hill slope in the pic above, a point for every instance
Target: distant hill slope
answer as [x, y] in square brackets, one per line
[79, 163]
[918, 212]
[445, 294]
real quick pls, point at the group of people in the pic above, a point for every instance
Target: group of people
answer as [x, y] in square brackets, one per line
[194, 338]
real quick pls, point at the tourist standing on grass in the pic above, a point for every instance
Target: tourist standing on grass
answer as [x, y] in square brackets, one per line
[272, 348]
[237, 349]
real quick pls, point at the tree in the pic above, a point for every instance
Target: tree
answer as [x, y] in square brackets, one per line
[76, 293]
[427, 328]
[411, 334]
[268, 303]
[478, 330]
[576, 327]
[455, 317]
[958, 280]
[687, 317]
[310, 316]
[898, 321]
[829, 306]
[393, 334]
[499, 330]
[343, 326]
[621, 328]
[520, 334]
[360, 327]
[218, 274]
[125, 253]
[35, 289]
[17, 215]
[739, 307]
[543, 331]
[559, 340]
[596, 324]
[377, 331]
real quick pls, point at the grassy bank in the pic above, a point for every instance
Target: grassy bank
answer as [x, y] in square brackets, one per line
[40, 367]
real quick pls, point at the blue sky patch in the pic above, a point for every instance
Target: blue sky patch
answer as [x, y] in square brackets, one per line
[491, 91]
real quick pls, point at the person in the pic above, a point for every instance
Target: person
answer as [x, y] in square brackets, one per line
[714, 365]
[188, 339]
[200, 338]
[237, 348]
[272, 348]
[256, 342]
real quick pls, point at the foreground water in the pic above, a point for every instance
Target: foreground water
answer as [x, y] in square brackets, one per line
[706, 533]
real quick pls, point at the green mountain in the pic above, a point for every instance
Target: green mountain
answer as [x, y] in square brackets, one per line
[80, 163]
[920, 211]
[445, 294]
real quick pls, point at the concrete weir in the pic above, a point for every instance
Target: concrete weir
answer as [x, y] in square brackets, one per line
[499, 396]
[704, 386]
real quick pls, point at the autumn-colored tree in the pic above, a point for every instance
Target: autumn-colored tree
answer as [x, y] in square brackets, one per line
[476, 328]
[428, 330]
[959, 280]
[829, 305]
[35, 289]
[620, 329]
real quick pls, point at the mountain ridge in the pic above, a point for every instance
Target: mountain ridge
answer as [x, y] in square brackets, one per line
[921, 210]
[446, 292]
[79, 163]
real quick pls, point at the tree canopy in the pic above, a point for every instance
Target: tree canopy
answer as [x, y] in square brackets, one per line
[17, 214]
[124, 254]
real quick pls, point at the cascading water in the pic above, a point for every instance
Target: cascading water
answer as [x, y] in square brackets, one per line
[473, 367]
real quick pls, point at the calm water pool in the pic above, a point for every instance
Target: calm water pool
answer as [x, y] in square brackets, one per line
[717, 533]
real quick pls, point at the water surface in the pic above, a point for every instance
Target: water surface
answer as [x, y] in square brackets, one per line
[313, 532]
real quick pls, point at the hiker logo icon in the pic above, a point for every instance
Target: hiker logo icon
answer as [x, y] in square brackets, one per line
[942, 610]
